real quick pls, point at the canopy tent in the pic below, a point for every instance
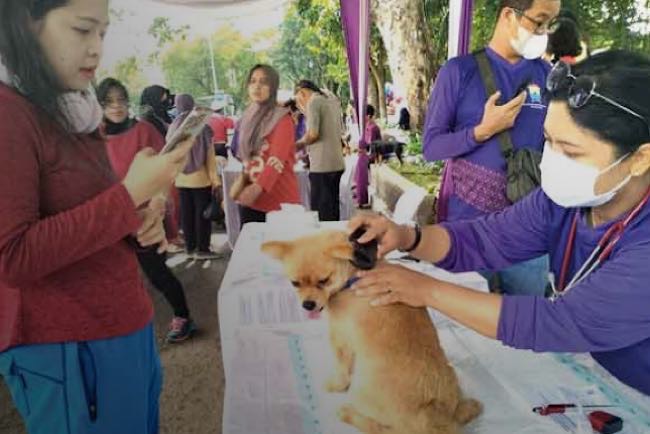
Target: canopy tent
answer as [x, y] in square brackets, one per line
[355, 17]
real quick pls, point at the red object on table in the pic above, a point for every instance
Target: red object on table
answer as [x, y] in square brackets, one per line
[605, 423]
[545, 410]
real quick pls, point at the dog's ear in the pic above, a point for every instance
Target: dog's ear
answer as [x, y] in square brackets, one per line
[277, 249]
[342, 250]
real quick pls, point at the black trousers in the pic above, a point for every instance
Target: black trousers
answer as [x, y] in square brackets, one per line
[163, 279]
[250, 215]
[220, 150]
[196, 229]
[325, 194]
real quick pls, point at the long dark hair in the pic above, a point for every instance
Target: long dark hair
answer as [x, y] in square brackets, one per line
[108, 84]
[565, 41]
[309, 85]
[103, 89]
[624, 77]
[267, 107]
[21, 53]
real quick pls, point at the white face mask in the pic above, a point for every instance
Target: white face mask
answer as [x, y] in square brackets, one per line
[571, 184]
[529, 45]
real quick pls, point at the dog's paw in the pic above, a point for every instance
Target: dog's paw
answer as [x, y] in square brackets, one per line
[346, 413]
[337, 384]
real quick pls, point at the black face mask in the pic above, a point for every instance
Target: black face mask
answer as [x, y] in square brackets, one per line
[168, 103]
[112, 129]
[365, 255]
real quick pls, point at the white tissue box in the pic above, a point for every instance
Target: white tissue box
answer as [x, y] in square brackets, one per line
[291, 222]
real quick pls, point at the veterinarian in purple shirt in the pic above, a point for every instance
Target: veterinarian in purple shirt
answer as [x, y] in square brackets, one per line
[463, 123]
[595, 182]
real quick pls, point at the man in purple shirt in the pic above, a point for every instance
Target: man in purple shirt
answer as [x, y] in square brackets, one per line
[595, 189]
[463, 123]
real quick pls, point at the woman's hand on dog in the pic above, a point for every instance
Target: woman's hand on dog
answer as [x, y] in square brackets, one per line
[390, 283]
[388, 234]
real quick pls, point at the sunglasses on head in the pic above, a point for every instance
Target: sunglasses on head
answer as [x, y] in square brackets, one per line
[581, 89]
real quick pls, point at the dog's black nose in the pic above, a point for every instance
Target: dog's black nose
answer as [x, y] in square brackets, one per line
[309, 305]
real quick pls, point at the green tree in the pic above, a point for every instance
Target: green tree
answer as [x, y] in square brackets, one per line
[379, 72]
[165, 34]
[129, 72]
[436, 13]
[604, 23]
[311, 46]
[188, 69]
[186, 66]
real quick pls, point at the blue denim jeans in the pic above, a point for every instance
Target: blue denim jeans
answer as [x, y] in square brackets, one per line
[525, 278]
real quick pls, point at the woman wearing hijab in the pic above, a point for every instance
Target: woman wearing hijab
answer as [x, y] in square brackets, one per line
[195, 185]
[156, 102]
[125, 137]
[267, 147]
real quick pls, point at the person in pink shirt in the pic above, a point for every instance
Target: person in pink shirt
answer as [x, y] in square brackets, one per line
[361, 175]
[125, 137]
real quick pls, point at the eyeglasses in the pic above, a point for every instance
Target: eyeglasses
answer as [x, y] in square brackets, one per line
[581, 89]
[541, 27]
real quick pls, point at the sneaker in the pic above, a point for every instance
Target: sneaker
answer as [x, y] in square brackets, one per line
[174, 248]
[205, 256]
[180, 329]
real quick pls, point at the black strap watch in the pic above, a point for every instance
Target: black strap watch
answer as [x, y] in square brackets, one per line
[416, 242]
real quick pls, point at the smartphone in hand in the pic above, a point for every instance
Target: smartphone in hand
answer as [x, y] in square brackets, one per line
[190, 128]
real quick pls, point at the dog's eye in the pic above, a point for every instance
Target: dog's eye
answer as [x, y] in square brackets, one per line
[295, 283]
[323, 282]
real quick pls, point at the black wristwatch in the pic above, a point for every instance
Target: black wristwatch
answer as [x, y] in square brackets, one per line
[416, 242]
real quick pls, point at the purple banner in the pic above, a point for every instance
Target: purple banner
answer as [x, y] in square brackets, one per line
[355, 18]
[465, 32]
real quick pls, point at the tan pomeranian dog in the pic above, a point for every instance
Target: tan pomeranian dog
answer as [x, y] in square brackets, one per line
[388, 358]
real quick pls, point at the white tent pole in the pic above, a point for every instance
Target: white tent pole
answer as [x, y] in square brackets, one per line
[455, 15]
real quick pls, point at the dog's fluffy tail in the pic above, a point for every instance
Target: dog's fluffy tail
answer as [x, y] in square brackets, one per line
[467, 410]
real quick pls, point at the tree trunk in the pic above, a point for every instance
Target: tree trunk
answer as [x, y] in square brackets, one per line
[406, 37]
[377, 81]
[373, 89]
[381, 80]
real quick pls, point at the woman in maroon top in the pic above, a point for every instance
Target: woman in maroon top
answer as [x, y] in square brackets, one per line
[125, 137]
[77, 347]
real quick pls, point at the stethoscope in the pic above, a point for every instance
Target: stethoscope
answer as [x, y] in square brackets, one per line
[602, 251]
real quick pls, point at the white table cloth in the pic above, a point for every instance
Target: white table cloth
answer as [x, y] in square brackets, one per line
[276, 362]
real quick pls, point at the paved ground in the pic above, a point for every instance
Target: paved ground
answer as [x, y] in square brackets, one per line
[192, 397]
